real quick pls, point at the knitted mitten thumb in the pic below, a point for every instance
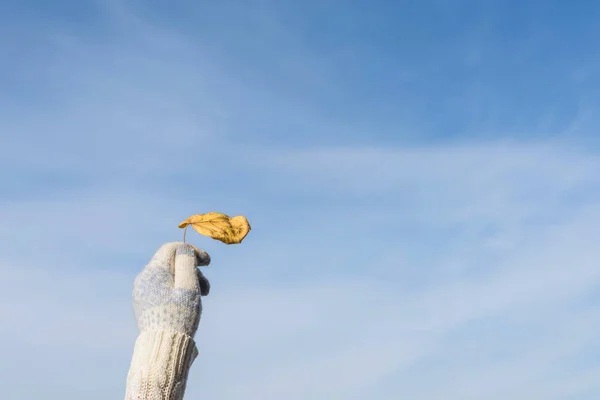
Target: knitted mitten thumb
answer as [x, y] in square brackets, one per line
[167, 305]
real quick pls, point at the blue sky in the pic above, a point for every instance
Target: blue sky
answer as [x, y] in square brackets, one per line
[421, 178]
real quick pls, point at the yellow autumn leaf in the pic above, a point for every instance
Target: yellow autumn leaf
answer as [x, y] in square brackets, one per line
[219, 226]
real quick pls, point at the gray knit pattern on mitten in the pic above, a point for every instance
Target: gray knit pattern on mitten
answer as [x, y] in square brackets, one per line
[163, 302]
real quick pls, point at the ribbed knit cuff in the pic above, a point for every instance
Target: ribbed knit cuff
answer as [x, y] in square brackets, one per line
[160, 365]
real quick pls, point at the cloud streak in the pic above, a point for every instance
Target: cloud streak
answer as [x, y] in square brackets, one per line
[376, 268]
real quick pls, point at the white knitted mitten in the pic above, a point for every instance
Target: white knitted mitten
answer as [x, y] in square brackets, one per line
[167, 305]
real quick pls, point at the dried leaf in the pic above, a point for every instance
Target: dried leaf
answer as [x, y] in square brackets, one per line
[219, 226]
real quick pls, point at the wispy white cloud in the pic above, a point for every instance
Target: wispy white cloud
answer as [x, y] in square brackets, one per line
[296, 326]
[463, 270]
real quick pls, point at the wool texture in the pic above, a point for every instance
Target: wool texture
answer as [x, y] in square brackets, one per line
[167, 305]
[160, 366]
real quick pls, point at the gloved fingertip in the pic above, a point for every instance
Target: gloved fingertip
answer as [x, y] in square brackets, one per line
[202, 258]
[204, 284]
[185, 249]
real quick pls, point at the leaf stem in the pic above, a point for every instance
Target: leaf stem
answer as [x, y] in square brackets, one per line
[184, 232]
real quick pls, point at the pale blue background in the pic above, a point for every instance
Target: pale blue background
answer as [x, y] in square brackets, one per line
[422, 177]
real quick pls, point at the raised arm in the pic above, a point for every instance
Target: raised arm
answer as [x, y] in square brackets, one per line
[167, 304]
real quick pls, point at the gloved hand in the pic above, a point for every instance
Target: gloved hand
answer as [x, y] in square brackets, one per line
[166, 294]
[167, 305]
